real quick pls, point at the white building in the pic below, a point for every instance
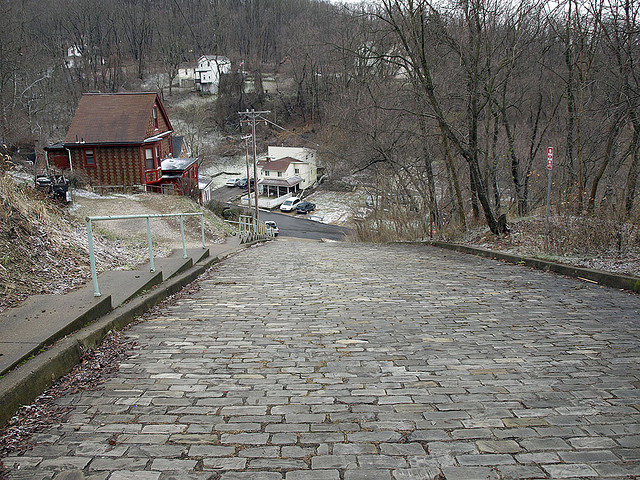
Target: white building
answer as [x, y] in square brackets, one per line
[209, 70]
[186, 76]
[74, 54]
[286, 171]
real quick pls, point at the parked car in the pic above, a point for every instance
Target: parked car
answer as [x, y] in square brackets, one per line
[290, 204]
[305, 207]
[242, 183]
[273, 227]
[232, 182]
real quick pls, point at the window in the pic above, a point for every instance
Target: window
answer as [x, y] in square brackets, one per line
[297, 170]
[155, 117]
[266, 173]
[148, 155]
[279, 174]
[89, 158]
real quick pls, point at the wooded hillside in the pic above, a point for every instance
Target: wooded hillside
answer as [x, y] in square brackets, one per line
[442, 109]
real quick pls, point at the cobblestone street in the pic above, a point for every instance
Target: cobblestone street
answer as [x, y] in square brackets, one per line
[327, 361]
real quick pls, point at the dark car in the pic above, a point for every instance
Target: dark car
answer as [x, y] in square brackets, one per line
[305, 207]
[242, 183]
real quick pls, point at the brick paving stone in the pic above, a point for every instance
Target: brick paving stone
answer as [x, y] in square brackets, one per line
[276, 464]
[342, 462]
[137, 475]
[570, 470]
[498, 446]
[398, 361]
[224, 463]
[470, 473]
[517, 472]
[401, 449]
[125, 463]
[485, 459]
[416, 473]
[368, 475]
[64, 463]
[172, 464]
[313, 475]
[252, 476]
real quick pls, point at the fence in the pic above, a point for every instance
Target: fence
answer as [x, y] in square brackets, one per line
[92, 258]
[249, 229]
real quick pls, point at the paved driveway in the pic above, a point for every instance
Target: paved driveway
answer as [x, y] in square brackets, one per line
[342, 361]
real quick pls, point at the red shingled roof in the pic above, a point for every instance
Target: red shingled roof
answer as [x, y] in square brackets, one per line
[113, 118]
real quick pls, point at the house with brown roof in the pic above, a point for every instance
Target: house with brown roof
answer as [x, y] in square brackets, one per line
[121, 140]
[286, 171]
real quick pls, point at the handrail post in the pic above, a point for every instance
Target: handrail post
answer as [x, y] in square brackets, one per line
[202, 228]
[92, 260]
[151, 263]
[184, 246]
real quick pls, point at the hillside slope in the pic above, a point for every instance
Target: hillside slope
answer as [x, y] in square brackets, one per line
[44, 248]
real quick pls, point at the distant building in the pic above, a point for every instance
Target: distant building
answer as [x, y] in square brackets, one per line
[74, 54]
[187, 76]
[206, 187]
[122, 140]
[286, 171]
[208, 72]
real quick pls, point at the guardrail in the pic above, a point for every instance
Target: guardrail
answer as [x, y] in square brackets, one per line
[92, 257]
[249, 229]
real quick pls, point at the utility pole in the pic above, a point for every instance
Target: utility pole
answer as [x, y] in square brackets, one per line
[246, 158]
[250, 117]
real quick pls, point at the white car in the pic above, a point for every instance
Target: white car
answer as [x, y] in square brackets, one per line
[290, 204]
[272, 227]
[232, 182]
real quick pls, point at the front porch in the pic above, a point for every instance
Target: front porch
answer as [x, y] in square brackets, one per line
[279, 187]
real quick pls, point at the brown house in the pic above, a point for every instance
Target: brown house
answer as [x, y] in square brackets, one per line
[120, 139]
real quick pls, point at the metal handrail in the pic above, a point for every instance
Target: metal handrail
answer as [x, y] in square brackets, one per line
[247, 226]
[92, 257]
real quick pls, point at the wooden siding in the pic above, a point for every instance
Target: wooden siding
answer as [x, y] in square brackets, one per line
[112, 165]
[162, 123]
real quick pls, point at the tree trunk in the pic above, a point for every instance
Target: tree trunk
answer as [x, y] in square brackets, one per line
[612, 138]
[634, 170]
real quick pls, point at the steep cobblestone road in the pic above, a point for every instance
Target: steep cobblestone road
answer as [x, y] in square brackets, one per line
[302, 360]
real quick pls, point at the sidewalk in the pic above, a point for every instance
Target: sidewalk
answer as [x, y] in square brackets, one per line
[27, 330]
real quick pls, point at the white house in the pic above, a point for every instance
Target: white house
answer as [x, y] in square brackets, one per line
[287, 170]
[186, 76]
[73, 55]
[209, 70]
[205, 184]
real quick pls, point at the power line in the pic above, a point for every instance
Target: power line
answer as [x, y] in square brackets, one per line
[250, 117]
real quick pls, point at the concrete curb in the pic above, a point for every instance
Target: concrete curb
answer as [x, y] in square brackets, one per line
[622, 282]
[23, 384]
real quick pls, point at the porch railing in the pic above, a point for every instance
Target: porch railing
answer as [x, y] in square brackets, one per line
[92, 257]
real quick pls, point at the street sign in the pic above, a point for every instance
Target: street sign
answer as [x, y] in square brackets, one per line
[549, 169]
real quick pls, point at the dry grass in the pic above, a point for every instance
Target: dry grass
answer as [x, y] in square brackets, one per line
[43, 246]
[589, 241]
[36, 241]
[595, 242]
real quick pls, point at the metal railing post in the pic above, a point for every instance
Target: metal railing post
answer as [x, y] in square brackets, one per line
[202, 228]
[184, 246]
[92, 260]
[151, 263]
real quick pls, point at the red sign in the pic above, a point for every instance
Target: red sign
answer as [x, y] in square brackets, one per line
[550, 158]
